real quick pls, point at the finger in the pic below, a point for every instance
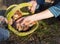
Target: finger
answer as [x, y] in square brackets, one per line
[27, 23]
[31, 24]
[29, 8]
[33, 8]
[1, 18]
[19, 27]
[25, 28]
[19, 20]
[10, 22]
[24, 23]
[6, 20]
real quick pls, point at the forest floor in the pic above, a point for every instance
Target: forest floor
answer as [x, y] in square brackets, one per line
[47, 33]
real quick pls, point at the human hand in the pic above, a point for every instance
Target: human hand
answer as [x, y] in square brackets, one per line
[28, 21]
[25, 22]
[33, 7]
[3, 19]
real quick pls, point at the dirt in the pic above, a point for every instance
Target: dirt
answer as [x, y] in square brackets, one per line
[47, 33]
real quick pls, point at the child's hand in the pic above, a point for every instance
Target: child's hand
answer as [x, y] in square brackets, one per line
[33, 7]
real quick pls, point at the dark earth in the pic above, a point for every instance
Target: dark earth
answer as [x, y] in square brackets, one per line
[47, 33]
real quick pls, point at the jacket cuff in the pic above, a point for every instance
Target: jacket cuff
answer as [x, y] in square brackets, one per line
[55, 10]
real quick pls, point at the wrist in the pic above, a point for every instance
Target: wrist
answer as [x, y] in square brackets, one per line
[34, 17]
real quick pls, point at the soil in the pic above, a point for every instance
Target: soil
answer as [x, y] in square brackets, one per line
[47, 33]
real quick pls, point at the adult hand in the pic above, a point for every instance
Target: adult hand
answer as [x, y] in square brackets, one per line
[26, 22]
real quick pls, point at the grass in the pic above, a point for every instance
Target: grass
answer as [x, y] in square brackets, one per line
[47, 33]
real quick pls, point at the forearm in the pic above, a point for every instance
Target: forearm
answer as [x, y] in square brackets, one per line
[43, 15]
[53, 11]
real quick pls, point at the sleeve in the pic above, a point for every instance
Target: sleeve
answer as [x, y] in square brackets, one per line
[55, 10]
[40, 1]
